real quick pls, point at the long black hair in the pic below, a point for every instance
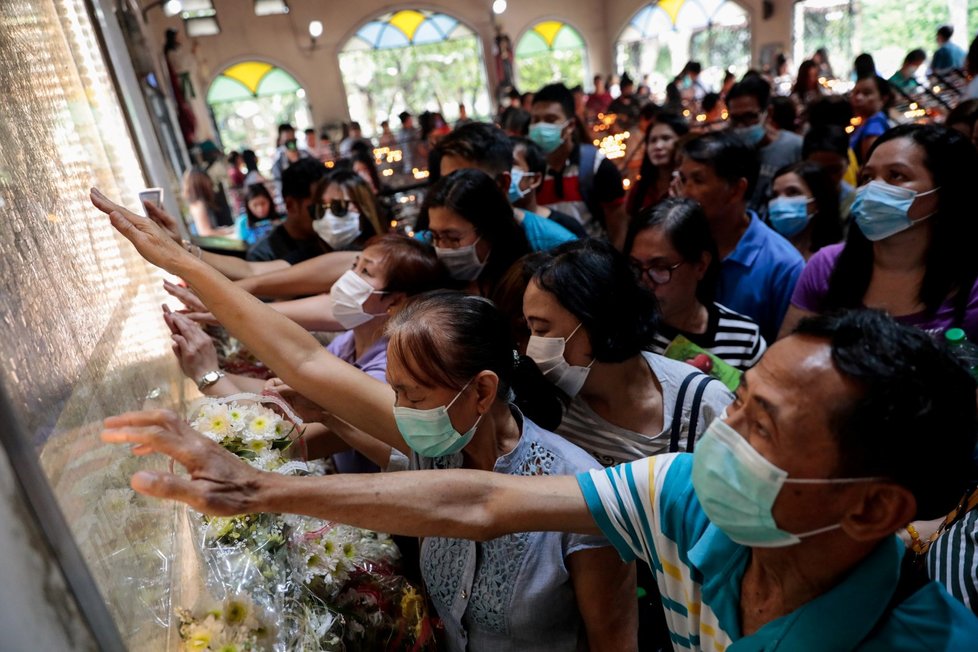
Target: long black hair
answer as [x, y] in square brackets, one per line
[684, 223]
[649, 173]
[827, 222]
[445, 338]
[258, 190]
[595, 283]
[950, 263]
[475, 197]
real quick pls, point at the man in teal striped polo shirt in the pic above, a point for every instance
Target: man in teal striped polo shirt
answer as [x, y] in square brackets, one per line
[777, 533]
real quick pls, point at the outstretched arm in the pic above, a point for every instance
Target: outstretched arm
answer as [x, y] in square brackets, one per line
[477, 505]
[288, 349]
[313, 276]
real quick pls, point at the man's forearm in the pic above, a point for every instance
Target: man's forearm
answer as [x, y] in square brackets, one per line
[464, 504]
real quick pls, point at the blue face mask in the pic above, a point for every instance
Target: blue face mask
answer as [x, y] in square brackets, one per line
[515, 192]
[737, 488]
[751, 136]
[430, 433]
[880, 209]
[789, 215]
[547, 135]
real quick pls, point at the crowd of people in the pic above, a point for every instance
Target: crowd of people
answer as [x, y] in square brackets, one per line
[727, 387]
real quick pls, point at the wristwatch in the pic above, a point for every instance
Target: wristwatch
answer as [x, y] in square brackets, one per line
[209, 379]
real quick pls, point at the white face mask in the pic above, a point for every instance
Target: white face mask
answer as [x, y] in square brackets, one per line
[548, 354]
[338, 232]
[463, 263]
[348, 295]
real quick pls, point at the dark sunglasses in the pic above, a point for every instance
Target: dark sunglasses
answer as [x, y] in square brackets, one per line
[338, 207]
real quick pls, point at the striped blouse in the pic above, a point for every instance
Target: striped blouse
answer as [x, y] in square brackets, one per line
[730, 336]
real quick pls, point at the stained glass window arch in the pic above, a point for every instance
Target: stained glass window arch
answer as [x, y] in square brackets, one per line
[662, 36]
[413, 60]
[550, 51]
[249, 80]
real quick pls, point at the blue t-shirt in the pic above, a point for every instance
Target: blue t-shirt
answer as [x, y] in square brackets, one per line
[948, 56]
[759, 275]
[544, 234]
[875, 126]
[648, 510]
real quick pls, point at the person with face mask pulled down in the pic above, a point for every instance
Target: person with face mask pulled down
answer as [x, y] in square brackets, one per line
[911, 249]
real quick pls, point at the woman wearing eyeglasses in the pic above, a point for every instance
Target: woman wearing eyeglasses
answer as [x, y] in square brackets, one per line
[591, 325]
[471, 225]
[676, 258]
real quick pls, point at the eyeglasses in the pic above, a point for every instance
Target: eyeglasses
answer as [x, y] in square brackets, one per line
[447, 239]
[338, 207]
[656, 273]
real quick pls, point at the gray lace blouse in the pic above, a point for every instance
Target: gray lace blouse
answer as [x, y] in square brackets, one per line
[514, 592]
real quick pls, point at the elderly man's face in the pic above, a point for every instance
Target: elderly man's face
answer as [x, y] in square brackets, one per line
[784, 409]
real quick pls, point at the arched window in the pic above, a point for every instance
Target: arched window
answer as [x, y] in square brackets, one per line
[887, 29]
[249, 100]
[550, 51]
[413, 60]
[663, 36]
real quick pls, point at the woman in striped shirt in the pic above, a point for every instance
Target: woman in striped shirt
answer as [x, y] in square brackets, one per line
[591, 324]
[671, 249]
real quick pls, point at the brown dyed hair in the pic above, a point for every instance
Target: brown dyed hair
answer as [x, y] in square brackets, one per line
[411, 266]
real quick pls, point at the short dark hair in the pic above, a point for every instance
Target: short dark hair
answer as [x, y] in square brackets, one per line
[515, 119]
[310, 130]
[299, 178]
[830, 110]
[730, 158]
[536, 160]
[945, 32]
[594, 281]
[556, 93]
[910, 388]
[445, 338]
[355, 125]
[864, 65]
[684, 223]
[784, 113]
[404, 116]
[826, 138]
[915, 56]
[479, 142]
[285, 126]
[753, 86]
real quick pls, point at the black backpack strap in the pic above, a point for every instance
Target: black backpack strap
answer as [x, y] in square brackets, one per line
[694, 411]
[677, 412]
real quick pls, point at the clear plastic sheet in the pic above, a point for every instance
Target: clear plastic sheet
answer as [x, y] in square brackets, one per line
[283, 582]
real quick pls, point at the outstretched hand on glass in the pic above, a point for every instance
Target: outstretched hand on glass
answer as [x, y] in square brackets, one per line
[151, 240]
[219, 483]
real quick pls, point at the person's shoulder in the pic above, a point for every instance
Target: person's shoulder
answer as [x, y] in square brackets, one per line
[930, 619]
[773, 244]
[569, 457]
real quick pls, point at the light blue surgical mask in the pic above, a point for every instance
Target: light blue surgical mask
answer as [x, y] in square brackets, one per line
[547, 135]
[881, 209]
[737, 487]
[516, 193]
[430, 433]
[789, 215]
[751, 136]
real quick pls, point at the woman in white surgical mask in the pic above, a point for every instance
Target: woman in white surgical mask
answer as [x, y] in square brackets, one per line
[391, 269]
[458, 396]
[911, 248]
[471, 225]
[346, 213]
[590, 325]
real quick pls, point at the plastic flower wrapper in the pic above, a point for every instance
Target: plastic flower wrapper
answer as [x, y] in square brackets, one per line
[234, 625]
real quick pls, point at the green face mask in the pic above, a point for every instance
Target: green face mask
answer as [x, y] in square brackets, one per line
[547, 135]
[430, 433]
[737, 488]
